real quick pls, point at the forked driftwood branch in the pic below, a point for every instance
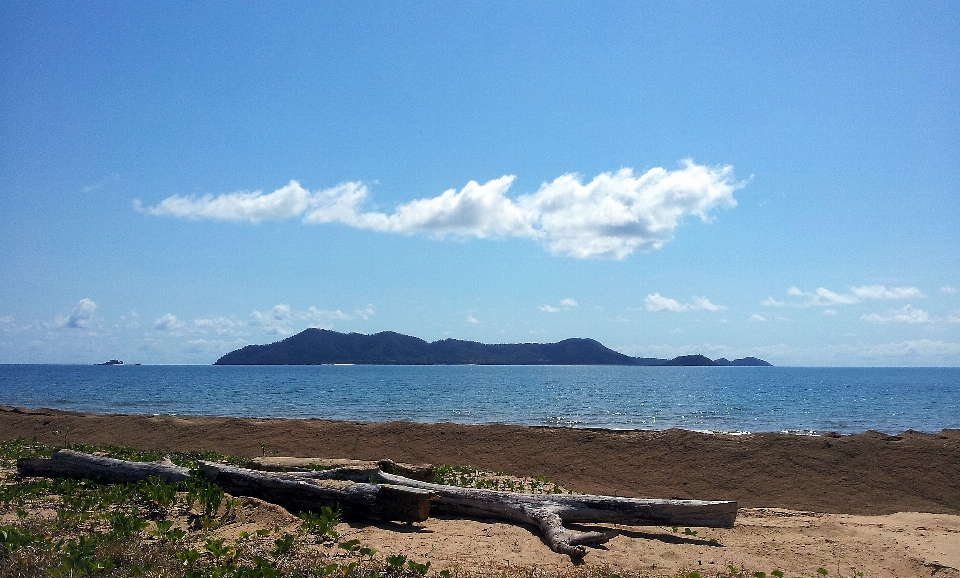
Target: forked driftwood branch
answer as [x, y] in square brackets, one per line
[549, 512]
[395, 497]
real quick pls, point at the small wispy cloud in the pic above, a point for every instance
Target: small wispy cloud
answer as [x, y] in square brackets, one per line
[114, 177]
[830, 312]
[218, 325]
[758, 318]
[771, 302]
[280, 319]
[321, 315]
[609, 217]
[656, 302]
[824, 297]
[881, 292]
[173, 325]
[472, 320]
[948, 290]
[918, 348]
[907, 314]
[566, 304]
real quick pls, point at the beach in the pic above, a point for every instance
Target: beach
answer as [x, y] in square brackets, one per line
[886, 505]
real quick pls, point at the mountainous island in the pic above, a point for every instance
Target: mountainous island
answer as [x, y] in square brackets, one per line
[323, 347]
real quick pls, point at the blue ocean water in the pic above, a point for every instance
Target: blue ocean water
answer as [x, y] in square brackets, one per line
[722, 399]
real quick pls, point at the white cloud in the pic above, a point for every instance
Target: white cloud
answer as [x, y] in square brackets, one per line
[7, 324]
[921, 352]
[365, 313]
[756, 317]
[617, 213]
[924, 348]
[280, 319]
[566, 304]
[827, 297]
[771, 302]
[711, 350]
[830, 312]
[609, 217]
[824, 297]
[314, 314]
[318, 315]
[168, 322]
[81, 316]
[472, 319]
[705, 304]
[274, 322]
[284, 203]
[99, 184]
[218, 325]
[907, 314]
[948, 289]
[656, 302]
[881, 292]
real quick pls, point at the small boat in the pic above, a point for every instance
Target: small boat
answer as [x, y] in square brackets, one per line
[112, 362]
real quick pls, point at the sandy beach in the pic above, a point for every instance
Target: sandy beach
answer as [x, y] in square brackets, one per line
[884, 505]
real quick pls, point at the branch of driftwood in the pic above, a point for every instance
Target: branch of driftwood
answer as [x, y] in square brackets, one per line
[370, 490]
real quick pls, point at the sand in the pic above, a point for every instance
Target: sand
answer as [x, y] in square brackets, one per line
[884, 505]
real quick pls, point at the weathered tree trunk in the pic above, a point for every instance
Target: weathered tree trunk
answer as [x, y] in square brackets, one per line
[71, 464]
[549, 511]
[373, 501]
[422, 472]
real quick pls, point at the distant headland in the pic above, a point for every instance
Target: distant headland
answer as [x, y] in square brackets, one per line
[325, 347]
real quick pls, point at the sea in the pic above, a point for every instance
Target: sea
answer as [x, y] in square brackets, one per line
[799, 400]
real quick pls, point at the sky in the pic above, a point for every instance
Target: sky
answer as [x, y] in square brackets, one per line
[779, 180]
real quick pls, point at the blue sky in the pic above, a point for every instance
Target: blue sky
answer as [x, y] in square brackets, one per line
[746, 178]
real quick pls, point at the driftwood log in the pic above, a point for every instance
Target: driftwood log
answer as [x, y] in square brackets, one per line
[363, 500]
[71, 464]
[399, 498]
[548, 512]
[422, 472]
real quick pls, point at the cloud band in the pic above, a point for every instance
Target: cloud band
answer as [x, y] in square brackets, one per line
[610, 217]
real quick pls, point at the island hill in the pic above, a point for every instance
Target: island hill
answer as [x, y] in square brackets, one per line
[322, 347]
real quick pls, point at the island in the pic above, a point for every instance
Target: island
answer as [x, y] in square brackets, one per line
[326, 347]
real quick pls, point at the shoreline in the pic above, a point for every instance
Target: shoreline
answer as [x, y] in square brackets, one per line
[860, 474]
[571, 426]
